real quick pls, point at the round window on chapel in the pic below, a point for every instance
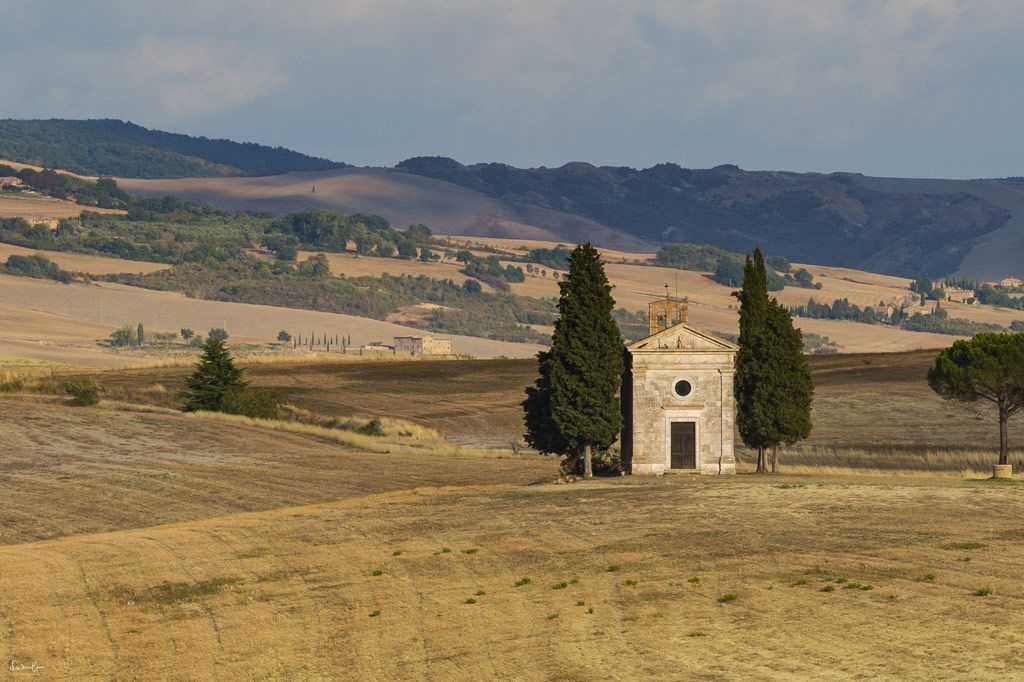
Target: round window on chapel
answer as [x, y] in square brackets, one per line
[683, 387]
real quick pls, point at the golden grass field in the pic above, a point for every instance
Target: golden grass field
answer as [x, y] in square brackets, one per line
[41, 208]
[83, 262]
[109, 306]
[189, 548]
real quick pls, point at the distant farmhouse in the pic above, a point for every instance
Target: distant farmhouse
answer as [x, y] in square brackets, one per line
[677, 397]
[958, 295]
[1011, 282]
[423, 345]
[885, 310]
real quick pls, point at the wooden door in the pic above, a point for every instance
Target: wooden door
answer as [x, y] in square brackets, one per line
[684, 445]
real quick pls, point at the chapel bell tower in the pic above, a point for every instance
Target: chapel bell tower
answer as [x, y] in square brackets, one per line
[666, 312]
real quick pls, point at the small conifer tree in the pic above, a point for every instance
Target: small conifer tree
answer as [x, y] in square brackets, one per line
[214, 379]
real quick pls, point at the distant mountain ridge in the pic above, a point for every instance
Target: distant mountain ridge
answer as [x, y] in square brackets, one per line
[830, 219]
[118, 148]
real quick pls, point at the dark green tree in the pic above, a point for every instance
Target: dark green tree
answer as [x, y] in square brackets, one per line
[215, 378]
[140, 334]
[788, 375]
[580, 375]
[987, 367]
[541, 432]
[754, 414]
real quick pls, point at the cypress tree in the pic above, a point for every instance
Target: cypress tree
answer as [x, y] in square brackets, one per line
[753, 395]
[791, 386]
[573, 407]
[215, 377]
[541, 432]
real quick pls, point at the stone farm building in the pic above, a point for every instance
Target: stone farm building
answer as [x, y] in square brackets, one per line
[677, 397]
[423, 345]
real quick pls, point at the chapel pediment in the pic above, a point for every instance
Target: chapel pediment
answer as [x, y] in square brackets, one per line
[681, 337]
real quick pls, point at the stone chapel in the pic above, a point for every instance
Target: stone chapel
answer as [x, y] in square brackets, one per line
[677, 397]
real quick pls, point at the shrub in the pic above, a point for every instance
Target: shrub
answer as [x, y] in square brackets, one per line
[258, 403]
[83, 392]
[371, 428]
[284, 337]
[728, 597]
[218, 334]
[39, 267]
[983, 592]
[523, 581]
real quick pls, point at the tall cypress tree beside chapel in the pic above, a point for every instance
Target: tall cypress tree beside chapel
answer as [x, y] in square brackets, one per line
[772, 384]
[573, 408]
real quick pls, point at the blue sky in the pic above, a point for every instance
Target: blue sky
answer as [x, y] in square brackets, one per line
[908, 87]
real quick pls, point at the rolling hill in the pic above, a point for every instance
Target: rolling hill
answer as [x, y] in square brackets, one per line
[897, 226]
[901, 227]
[112, 147]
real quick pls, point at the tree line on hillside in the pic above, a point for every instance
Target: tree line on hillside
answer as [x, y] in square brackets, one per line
[112, 147]
[727, 267]
[936, 320]
[103, 193]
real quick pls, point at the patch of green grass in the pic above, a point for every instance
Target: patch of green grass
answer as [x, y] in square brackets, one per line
[829, 588]
[552, 616]
[471, 600]
[479, 593]
[851, 586]
[377, 572]
[964, 545]
[840, 580]
[581, 603]
[612, 568]
[629, 583]
[891, 597]
[471, 550]
[927, 578]
[787, 486]
[590, 610]
[963, 558]
[696, 633]
[560, 586]
[802, 581]
[523, 581]
[695, 580]
[983, 592]
[1012, 534]
[728, 597]
[443, 550]
[374, 613]
[173, 593]
[397, 552]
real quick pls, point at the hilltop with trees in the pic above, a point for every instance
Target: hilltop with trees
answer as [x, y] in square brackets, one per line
[120, 148]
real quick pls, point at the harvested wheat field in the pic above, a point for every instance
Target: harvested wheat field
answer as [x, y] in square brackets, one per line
[674, 578]
[113, 305]
[83, 262]
[35, 207]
